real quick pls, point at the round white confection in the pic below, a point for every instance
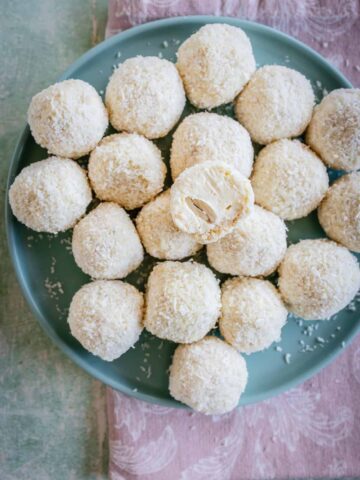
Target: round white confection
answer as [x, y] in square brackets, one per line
[50, 195]
[289, 179]
[208, 376]
[207, 136]
[253, 314]
[208, 199]
[105, 317]
[68, 118]
[215, 63]
[145, 95]
[159, 235]
[277, 103]
[127, 169]
[318, 278]
[334, 131]
[182, 301]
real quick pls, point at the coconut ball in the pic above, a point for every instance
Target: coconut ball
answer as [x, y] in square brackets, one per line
[182, 301]
[105, 317]
[255, 247]
[159, 235]
[145, 95]
[289, 179]
[105, 243]
[318, 278]
[207, 136]
[68, 118]
[277, 103]
[208, 199]
[215, 63]
[253, 314]
[208, 376]
[127, 169]
[50, 195]
[339, 212]
[334, 130]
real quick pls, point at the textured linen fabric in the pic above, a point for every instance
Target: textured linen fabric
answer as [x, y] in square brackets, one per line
[309, 432]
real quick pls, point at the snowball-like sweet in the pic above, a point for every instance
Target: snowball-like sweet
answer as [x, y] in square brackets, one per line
[68, 118]
[50, 195]
[253, 314]
[318, 278]
[159, 235]
[105, 243]
[208, 199]
[215, 63]
[105, 317]
[145, 95]
[289, 179]
[277, 103]
[208, 376]
[339, 212]
[182, 301]
[207, 136]
[334, 130]
[126, 168]
[255, 247]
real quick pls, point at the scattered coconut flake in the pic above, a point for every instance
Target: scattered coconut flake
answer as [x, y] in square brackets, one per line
[287, 358]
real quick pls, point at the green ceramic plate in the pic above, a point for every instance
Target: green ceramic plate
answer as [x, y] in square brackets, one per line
[49, 277]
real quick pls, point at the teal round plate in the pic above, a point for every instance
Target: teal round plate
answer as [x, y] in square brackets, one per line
[49, 277]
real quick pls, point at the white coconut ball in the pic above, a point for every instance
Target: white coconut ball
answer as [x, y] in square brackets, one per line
[105, 243]
[334, 130]
[253, 314]
[277, 103]
[207, 136]
[159, 235]
[50, 195]
[289, 179]
[105, 317]
[255, 247]
[339, 212]
[215, 63]
[68, 118]
[182, 301]
[209, 376]
[145, 95]
[318, 278]
[126, 169]
[208, 199]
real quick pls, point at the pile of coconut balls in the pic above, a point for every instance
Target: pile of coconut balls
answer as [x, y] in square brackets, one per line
[220, 197]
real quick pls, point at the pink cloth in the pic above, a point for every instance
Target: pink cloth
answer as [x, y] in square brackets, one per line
[311, 431]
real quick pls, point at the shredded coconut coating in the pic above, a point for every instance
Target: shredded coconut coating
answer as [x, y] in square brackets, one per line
[254, 248]
[318, 278]
[209, 376]
[207, 136]
[208, 199]
[127, 169]
[105, 317]
[334, 131]
[68, 118]
[105, 243]
[159, 235]
[339, 212]
[253, 314]
[277, 103]
[289, 179]
[215, 63]
[145, 95]
[50, 195]
[182, 301]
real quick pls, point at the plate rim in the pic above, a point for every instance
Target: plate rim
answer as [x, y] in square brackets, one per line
[9, 219]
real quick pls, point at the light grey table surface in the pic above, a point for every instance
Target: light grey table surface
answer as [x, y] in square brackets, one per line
[52, 414]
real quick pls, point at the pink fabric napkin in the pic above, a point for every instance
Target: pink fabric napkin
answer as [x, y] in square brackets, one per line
[311, 431]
